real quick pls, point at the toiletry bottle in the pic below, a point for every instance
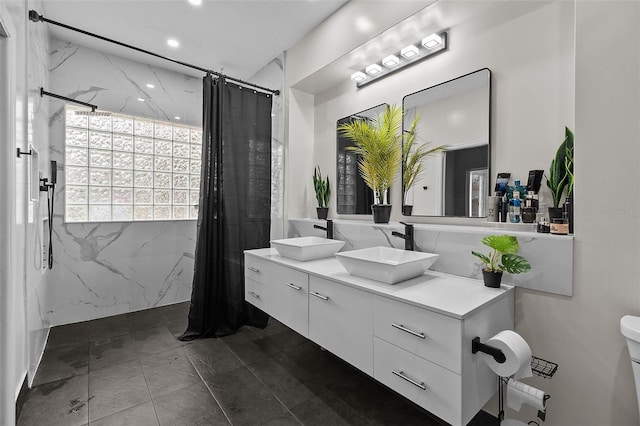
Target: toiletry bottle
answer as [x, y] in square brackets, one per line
[514, 207]
[504, 209]
[529, 211]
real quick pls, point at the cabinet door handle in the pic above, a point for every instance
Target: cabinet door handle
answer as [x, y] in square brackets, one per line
[293, 286]
[257, 296]
[401, 374]
[251, 268]
[406, 330]
[318, 295]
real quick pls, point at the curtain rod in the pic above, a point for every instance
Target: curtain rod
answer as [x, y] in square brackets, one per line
[36, 17]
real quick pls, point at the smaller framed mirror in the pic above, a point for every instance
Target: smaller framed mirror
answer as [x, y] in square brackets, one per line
[454, 114]
[353, 196]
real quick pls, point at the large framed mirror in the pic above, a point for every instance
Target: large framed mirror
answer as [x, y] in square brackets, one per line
[353, 196]
[456, 114]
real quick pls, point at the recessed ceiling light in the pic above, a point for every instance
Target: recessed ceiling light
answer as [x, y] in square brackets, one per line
[141, 99]
[409, 51]
[150, 86]
[431, 41]
[373, 69]
[195, 2]
[391, 61]
[358, 76]
[176, 118]
[173, 42]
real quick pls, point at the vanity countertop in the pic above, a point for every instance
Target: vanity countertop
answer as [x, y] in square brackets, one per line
[447, 294]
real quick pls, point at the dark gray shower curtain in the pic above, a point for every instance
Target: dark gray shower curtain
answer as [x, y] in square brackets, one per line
[235, 206]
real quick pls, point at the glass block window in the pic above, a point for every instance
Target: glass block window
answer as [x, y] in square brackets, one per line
[120, 168]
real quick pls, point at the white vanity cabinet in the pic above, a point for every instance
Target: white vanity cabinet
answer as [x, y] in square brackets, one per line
[414, 337]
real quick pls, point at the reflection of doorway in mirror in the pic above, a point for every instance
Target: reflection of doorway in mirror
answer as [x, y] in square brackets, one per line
[477, 181]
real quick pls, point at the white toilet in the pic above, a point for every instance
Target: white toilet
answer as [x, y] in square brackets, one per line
[630, 328]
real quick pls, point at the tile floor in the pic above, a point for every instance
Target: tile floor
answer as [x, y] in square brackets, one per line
[131, 370]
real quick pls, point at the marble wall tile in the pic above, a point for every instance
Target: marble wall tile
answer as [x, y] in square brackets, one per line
[551, 256]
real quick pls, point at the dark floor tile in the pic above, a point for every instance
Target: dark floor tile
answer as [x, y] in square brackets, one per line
[108, 327]
[177, 310]
[244, 399]
[288, 388]
[211, 357]
[70, 334]
[167, 372]
[177, 325]
[285, 339]
[62, 362]
[62, 403]
[112, 351]
[190, 406]
[154, 340]
[327, 409]
[273, 327]
[249, 347]
[143, 320]
[116, 388]
[140, 415]
[285, 420]
[484, 419]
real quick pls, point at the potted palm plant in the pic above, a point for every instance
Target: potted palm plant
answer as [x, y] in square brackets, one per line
[560, 173]
[503, 257]
[322, 189]
[413, 167]
[377, 143]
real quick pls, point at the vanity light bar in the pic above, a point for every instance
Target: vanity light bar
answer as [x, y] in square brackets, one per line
[409, 55]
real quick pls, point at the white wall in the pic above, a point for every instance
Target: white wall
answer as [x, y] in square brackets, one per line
[29, 116]
[542, 81]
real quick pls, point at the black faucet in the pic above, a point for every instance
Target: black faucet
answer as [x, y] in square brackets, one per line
[407, 236]
[329, 228]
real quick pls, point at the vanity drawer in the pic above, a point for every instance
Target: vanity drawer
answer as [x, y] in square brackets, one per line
[256, 269]
[432, 336]
[256, 294]
[288, 300]
[432, 387]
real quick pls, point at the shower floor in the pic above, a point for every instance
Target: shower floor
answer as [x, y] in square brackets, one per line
[131, 370]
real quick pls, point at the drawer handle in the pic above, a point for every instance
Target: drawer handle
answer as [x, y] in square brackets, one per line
[409, 379]
[257, 296]
[251, 268]
[406, 330]
[293, 286]
[318, 295]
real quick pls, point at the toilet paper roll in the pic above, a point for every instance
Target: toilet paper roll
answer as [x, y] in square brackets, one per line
[516, 351]
[512, 422]
[519, 393]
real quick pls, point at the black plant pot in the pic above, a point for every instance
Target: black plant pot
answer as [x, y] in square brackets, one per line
[492, 279]
[322, 212]
[381, 213]
[555, 213]
[407, 210]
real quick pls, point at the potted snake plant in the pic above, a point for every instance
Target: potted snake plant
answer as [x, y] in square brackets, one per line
[502, 258]
[377, 144]
[561, 174]
[322, 188]
[414, 155]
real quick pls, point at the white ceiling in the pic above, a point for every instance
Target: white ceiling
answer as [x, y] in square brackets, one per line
[236, 37]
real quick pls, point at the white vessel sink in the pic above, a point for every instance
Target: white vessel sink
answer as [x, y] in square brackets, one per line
[307, 248]
[386, 264]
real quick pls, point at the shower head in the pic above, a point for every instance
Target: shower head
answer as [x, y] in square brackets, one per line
[93, 113]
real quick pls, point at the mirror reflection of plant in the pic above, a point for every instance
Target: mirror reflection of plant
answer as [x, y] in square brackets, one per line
[377, 143]
[322, 188]
[561, 170]
[503, 255]
[413, 156]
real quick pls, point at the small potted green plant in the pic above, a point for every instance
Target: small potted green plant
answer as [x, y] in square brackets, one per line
[377, 143]
[561, 174]
[503, 257]
[322, 188]
[413, 167]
